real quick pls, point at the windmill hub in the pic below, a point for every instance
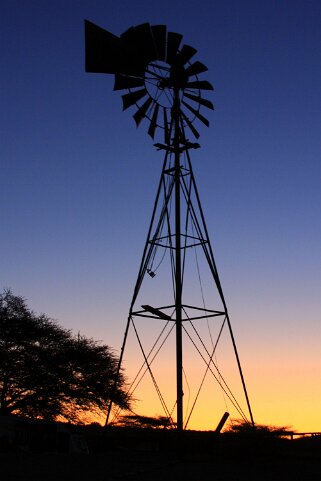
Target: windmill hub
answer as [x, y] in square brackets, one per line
[175, 76]
[158, 83]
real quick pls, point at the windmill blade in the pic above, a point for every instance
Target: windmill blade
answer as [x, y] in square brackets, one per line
[173, 41]
[200, 100]
[144, 40]
[196, 113]
[141, 112]
[199, 84]
[133, 97]
[128, 35]
[107, 53]
[127, 82]
[159, 34]
[185, 54]
[196, 68]
[153, 123]
[190, 125]
[141, 37]
[166, 130]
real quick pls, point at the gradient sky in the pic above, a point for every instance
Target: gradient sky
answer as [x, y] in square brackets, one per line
[77, 180]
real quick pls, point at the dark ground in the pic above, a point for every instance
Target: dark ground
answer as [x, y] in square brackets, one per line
[145, 455]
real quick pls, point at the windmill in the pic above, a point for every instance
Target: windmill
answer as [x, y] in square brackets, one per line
[162, 82]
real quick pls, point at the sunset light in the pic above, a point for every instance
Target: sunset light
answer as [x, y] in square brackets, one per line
[160, 245]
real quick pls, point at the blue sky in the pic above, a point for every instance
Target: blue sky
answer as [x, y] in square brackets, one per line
[78, 179]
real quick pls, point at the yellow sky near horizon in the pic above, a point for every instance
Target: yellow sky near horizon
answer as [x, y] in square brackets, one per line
[283, 387]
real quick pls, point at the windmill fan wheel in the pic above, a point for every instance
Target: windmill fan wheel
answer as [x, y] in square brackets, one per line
[150, 64]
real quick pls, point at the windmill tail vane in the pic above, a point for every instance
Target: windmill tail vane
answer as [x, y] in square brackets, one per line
[161, 82]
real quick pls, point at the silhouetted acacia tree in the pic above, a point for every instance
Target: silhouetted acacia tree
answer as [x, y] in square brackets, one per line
[48, 373]
[240, 427]
[135, 420]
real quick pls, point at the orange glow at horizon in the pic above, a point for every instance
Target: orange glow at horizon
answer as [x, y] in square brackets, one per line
[283, 388]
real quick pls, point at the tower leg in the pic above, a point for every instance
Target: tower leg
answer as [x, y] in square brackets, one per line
[178, 266]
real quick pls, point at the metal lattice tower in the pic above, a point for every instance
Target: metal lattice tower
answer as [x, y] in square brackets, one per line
[161, 81]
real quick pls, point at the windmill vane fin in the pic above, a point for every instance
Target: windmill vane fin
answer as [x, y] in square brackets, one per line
[159, 34]
[126, 82]
[173, 42]
[196, 68]
[200, 100]
[144, 41]
[190, 125]
[186, 54]
[133, 97]
[153, 123]
[166, 129]
[140, 114]
[196, 113]
[200, 84]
